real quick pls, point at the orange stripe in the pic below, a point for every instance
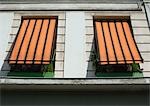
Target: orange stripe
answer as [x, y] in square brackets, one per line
[131, 41]
[49, 42]
[39, 51]
[26, 40]
[116, 42]
[101, 43]
[32, 47]
[33, 41]
[123, 41]
[18, 41]
[111, 54]
[128, 45]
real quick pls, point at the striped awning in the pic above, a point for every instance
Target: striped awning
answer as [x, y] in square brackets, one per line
[34, 42]
[115, 42]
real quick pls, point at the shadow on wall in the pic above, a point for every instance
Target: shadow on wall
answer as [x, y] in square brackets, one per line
[36, 98]
[91, 48]
[5, 67]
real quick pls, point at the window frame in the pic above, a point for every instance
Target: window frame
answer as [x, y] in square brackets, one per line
[134, 73]
[50, 69]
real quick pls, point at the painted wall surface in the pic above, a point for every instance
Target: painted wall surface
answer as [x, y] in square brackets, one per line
[6, 20]
[26, 98]
[75, 47]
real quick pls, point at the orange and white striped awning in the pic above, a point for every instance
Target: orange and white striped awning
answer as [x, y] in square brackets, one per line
[115, 42]
[34, 42]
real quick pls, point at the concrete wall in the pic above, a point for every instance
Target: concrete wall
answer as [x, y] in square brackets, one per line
[82, 98]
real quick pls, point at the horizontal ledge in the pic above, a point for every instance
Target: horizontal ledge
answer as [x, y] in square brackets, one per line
[144, 51]
[40, 7]
[142, 43]
[15, 26]
[146, 61]
[74, 87]
[62, 42]
[139, 26]
[138, 19]
[72, 81]
[61, 26]
[141, 34]
[17, 18]
[12, 34]
[146, 1]
[69, 1]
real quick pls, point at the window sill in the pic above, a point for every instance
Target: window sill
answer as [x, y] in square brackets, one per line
[120, 74]
[32, 74]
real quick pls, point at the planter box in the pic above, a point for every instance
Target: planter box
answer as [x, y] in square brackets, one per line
[31, 74]
[120, 74]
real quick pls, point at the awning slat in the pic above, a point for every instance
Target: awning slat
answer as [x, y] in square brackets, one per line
[109, 47]
[102, 47]
[131, 42]
[125, 35]
[40, 45]
[34, 41]
[117, 47]
[123, 41]
[113, 46]
[107, 58]
[18, 41]
[24, 33]
[49, 42]
[116, 44]
[21, 55]
[32, 45]
[29, 44]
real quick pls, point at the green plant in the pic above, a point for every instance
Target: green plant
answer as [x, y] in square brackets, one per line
[48, 68]
[136, 67]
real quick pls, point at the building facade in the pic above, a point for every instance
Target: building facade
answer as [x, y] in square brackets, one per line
[75, 52]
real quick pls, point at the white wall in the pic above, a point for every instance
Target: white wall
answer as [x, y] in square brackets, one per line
[75, 57]
[5, 28]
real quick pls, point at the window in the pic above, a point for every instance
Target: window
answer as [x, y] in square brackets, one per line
[34, 47]
[116, 50]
